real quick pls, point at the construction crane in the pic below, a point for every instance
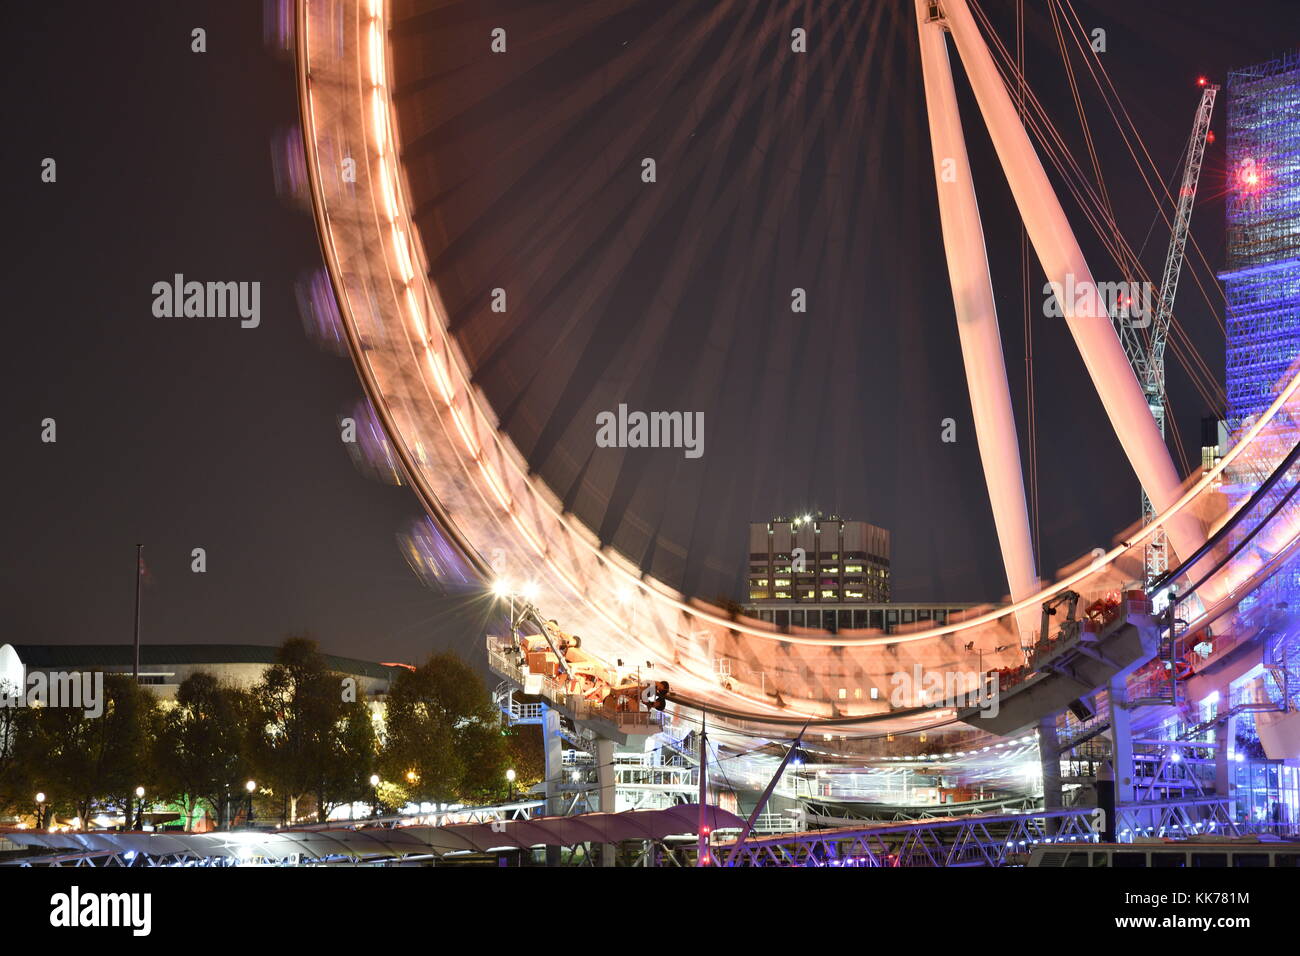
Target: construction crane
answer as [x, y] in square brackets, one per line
[1148, 357]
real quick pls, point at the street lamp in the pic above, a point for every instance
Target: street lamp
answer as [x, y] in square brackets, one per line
[40, 810]
[374, 794]
[250, 788]
[510, 779]
[139, 813]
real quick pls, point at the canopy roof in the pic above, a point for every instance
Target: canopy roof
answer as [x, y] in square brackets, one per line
[371, 842]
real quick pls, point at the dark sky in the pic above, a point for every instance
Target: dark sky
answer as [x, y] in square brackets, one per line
[186, 433]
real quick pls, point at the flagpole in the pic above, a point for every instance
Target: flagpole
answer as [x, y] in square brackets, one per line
[139, 573]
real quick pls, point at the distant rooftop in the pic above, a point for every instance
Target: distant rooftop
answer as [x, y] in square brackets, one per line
[71, 656]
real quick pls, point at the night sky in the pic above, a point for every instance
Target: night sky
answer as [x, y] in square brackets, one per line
[185, 433]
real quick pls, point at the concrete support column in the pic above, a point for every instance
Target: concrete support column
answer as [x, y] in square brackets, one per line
[605, 777]
[1049, 759]
[553, 751]
[1121, 743]
[1225, 746]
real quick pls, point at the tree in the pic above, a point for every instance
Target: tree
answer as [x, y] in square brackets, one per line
[85, 763]
[17, 793]
[347, 774]
[526, 755]
[305, 738]
[201, 748]
[443, 739]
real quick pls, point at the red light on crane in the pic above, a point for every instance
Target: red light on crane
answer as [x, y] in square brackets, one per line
[1209, 136]
[1201, 81]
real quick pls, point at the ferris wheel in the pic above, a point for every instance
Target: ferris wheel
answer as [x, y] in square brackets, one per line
[393, 233]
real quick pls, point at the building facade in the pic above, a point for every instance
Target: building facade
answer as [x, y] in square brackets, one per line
[163, 667]
[827, 572]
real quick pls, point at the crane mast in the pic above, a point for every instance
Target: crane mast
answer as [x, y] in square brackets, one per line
[1148, 359]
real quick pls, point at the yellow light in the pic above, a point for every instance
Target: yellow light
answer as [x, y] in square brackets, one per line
[386, 188]
[465, 433]
[403, 256]
[440, 376]
[416, 315]
[377, 118]
[376, 54]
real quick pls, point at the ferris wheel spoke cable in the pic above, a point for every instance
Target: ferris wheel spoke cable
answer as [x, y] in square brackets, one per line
[1090, 204]
[1099, 72]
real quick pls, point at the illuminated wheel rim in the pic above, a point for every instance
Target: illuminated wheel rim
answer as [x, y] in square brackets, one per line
[476, 484]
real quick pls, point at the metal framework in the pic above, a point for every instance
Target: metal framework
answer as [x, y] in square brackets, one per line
[1149, 361]
[1262, 280]
[1182, 817]
[1263, 274]
[965, 841]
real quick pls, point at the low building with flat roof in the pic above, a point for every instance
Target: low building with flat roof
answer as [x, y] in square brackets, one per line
[164, 666]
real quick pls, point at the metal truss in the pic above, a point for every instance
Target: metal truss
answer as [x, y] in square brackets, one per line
[1186, 817]
[833, 814]
[965, 841]
[103, 859]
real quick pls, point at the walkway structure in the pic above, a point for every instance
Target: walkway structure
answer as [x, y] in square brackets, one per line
[990, 840]
[365, 843]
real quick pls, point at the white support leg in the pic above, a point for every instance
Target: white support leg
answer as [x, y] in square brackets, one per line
[553, 752]
[977, 317]
[606, 781]
[1063, 262]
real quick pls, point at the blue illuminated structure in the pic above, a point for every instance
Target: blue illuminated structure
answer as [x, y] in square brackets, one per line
[1262, 281]
[1262, 288]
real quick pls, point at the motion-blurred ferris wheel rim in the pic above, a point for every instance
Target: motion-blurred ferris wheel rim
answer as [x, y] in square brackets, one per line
[484, 453]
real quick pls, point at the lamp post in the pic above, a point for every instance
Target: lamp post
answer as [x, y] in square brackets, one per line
[40, 810]
[250, 788]
[374, 794]
[510, 779]
[139, 813]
